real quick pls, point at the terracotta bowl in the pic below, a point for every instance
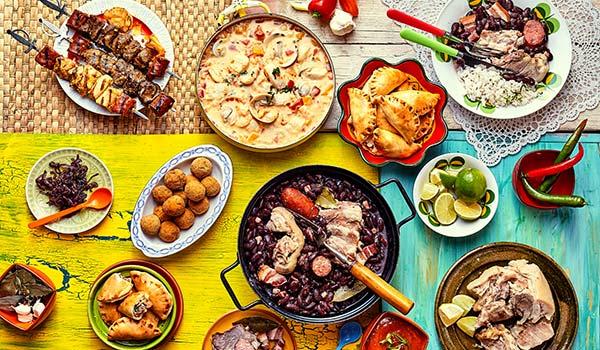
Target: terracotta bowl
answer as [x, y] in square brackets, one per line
[564, 185]
[413, 67]
[49, 301]
[389, 322]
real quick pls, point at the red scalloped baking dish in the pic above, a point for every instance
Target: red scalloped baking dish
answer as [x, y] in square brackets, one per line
[410, 66]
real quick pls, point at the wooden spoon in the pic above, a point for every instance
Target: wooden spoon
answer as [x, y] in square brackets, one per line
[99, 199]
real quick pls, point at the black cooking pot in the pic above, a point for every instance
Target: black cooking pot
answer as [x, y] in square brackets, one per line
[363, 300]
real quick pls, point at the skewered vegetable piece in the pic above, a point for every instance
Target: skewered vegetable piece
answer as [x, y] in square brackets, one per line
[109, 97]
[64, 67]
[103, 83]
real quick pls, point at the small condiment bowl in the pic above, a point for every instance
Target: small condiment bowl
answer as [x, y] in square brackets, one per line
[409, 66]
[49, 301]
[564, 185]
[226, 321]
[389, 322]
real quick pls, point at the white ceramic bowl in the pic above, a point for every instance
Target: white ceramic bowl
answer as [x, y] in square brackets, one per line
[153, 247]
[559, 44]
[137, 10]
[460, 228]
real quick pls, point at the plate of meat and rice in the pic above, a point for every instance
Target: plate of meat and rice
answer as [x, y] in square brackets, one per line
[146, 28]
[524, 300]
[536, 53]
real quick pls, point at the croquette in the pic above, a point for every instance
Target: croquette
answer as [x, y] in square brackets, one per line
[160, 213]
[150, 224]
[199, 208]
[182, 195]
[160, 193]
[201, 167]
[174, 206]
[185, 220]
[190, 178]
[195, 191]
[175, 179]
[168, 232]
[212, 186]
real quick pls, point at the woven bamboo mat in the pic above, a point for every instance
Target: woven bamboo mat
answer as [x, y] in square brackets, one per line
[32, 100]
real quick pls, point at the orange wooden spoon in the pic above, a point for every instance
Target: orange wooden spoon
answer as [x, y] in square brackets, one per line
[100, 199]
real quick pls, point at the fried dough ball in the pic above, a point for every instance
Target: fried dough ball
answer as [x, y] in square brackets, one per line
[201, 167]
[175, 179]
[150, 224]
[213, 187]
[174, 206]
[160, 213]
[190, 178]
[195, 191]
[199, 208]
[160, 193]
[185, 220]
[168, 232]
[182, 195]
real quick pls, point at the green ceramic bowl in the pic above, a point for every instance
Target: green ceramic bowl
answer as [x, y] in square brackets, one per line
[101, 329]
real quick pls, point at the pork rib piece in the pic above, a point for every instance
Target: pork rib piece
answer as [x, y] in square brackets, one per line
[497, 338]
[531, 295]
[530, 335]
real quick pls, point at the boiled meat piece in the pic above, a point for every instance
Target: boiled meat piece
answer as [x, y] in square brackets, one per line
[520, 62]
[493, 312]
[343, 226]
[501, 40]
[237, 338]
[497, 338]
[531, 295]
[268, 275]
[530, 335]
[288, 248]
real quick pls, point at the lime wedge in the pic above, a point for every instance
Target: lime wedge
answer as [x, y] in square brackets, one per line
[444, 209]
[449, 313]
[464, 301]
[447, 179]
[467, 325]
[467, 211]
[429, 191]
[434, 176]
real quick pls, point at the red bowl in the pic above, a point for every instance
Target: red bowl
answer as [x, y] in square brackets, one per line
[389, 322]
[178, 294]
[414, 68]
[49, 301]
[564, 185]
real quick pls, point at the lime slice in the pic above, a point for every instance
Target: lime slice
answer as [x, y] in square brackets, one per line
[450, 313]
[467, 325]
[467, 211]
[444, 209]
[447, 179]
[429, 191]
[464, 301]
[434, 176]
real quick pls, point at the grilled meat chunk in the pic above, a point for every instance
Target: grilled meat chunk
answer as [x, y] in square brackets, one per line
[148, 90]
[130, 50]
[78, 21]
[124, 106]
[143, 58]
[109, 33]
[157, 67]
[47, 57]
[95, 25]
[119, 72]
[161, 104]
[79, 45]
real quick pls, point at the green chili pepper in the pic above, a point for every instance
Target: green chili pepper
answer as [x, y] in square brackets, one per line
[564, 153]
[564, 201]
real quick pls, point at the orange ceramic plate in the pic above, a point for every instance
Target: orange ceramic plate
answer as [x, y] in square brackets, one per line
[226, 322]
[414, 68]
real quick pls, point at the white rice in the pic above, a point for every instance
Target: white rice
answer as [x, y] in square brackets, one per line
[486, 84]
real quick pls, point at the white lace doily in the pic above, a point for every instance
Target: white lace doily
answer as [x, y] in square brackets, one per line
[495, 139]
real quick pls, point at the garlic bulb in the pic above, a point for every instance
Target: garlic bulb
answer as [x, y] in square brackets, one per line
[25, 318]
[341, 23]
[38, 308]
[22, 309]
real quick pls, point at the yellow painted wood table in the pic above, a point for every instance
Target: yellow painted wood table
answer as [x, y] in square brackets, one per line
[73, 262]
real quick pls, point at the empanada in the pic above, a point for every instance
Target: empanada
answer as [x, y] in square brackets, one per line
[383, 81]
[393, 145]
[162, 301]
[382, 122]
[115, 288]
[425, 125]
[135, 305]
[400, 116]
[411, 83]
[151, 318]
[128, 329]
[109, 312]
[420, 102]
[362, 114]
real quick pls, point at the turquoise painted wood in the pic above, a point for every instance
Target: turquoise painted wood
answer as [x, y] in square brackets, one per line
[570, 236]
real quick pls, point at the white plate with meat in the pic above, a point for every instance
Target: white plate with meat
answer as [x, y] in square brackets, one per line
[535, 43]
[146, 26]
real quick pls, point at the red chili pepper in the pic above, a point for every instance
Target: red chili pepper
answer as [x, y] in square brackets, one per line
[322, 8]
[350, 6]
[290, 84]
[557, 168]
[294, 106]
